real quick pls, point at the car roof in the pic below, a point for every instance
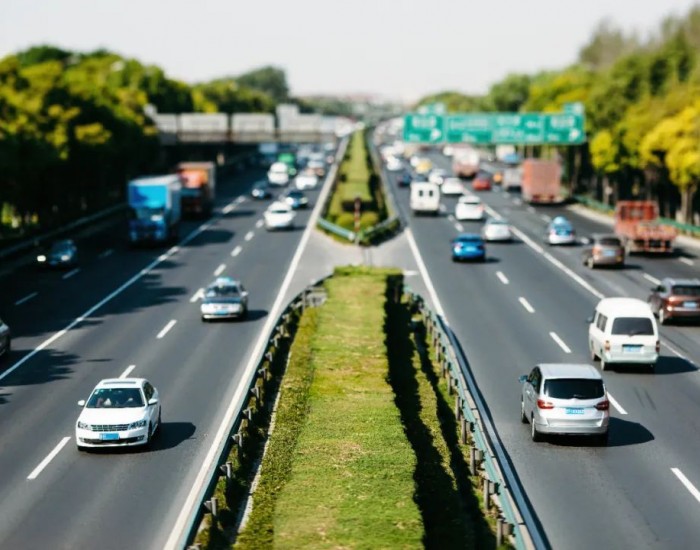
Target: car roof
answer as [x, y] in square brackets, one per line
[624, 306]
[569, 370]
[471, 199]
[682, 282]
[120, 383]
[223, 281]
[278, 205]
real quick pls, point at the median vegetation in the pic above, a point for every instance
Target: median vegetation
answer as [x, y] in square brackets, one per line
[363, 451]
[358, 181]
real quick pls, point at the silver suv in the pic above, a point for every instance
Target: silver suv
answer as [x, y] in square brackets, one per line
[566, 399]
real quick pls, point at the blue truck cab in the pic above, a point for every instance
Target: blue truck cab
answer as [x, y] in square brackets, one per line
[154, 209]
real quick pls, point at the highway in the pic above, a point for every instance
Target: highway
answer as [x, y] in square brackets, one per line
[138, 316]
[528, 304]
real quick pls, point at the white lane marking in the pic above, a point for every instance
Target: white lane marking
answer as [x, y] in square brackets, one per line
[531, 209]
[26, 298]
[615, 404]
[70, 273]
[443, 208]
[459, 227]
[128, 370]
[686, 261]
[502, 277]
[236, 251]
[197, 295]
[44, 463]
[517, 201]
[195, 496]
[166, 328]
[219, 270]
[145, 271]
[651, 279]
[526, 305]
[249, 235]
[259, 223]
[451, 218]
[559, 341]
[105, 254]
[546, 218]
[686, 483]
[174, 249]
[240, 199]
[228, 208]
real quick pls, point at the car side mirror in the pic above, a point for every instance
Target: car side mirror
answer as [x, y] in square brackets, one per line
[244, 293]
[153, 401]
[81, 403]
[589, 320]
[522, 379]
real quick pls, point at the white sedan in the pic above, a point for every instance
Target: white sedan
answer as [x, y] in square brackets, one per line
[120, 412]
[279, 215]
[452, 186]
[469, 207]
[306, 180]
[496, 230]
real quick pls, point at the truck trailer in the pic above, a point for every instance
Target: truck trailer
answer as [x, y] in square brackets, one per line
[638, 226]
[154, 209]
[541, 181]
[198, 188]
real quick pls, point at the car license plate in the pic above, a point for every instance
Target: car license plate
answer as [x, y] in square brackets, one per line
[609, 252]
[574, 410]
[109, 437]
[631, 349]
[691, 305]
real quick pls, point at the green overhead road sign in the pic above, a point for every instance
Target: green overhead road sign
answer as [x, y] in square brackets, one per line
[432, 109]
[565, 128]
[423, 128]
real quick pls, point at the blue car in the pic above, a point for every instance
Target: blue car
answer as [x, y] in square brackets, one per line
[468, 246]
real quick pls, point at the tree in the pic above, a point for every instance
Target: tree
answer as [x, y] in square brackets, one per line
[606, 46]
[269, 80]
[511, 93]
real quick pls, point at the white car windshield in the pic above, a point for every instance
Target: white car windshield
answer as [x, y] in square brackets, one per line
[115, 398]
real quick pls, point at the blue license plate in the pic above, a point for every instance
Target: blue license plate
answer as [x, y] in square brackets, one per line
[109, 437]
[631, 349]
[609, 252]
[573, 410]
[691, 305]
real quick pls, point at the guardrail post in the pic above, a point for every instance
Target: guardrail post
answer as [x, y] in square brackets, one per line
[499, 531]
[227, 470]
[212, 506]
[472, 461]
[487, 494]
[463, 429]
[449, 382]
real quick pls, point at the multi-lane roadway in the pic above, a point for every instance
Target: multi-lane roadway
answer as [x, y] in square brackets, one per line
[528, 304]
[130, 312]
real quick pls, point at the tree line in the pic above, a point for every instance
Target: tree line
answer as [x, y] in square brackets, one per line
[642, 104]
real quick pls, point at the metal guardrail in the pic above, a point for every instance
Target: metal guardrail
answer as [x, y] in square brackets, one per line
[336, 229]
[487, 456]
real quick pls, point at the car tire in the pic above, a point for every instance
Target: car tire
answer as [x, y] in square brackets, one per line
[523, 416]
[149, 436]
[534, 434]
[82, 449]
[205, 320]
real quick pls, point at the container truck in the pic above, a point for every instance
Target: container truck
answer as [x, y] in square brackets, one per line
[637, 224]
[541, 181]
[198, 188]
[465, 162]
[154, 209]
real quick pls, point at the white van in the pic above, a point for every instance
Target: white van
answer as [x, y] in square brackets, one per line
[623, 330]
[278, 174]
[425, 197]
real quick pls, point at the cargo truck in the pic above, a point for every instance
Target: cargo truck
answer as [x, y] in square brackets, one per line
[198, 188]
[154, 209]
[638, 226]
[465, 163]
[541, 181]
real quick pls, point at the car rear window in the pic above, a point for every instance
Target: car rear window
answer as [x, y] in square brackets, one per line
[610, 241]
[633, 326]
[687, 290]
[573, 388]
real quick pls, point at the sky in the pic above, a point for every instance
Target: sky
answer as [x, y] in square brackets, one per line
[397, 49]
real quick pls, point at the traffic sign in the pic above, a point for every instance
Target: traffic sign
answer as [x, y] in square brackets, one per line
[437, 108]
[419, 128]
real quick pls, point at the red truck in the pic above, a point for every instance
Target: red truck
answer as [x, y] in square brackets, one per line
[198, 188]
[637, 224]
[541, 181]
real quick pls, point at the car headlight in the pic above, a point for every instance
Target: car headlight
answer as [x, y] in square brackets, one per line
[41, 258]
[65, 258]
[83, 425]
[137, 424]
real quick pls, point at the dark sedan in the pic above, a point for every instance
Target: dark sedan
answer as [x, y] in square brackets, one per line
[261, 190]
[404, 180]
[604, 250]
[61, 254]
[676, 299]
[296, 199]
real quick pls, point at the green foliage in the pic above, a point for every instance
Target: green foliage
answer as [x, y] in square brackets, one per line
[229, 96]
[455, 102]
[269, 80]
[511, 93]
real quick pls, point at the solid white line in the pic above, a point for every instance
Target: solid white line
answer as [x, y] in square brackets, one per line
[249, 235]
[166, 328]
[145, 271]
[44, 463]
[196, 296]
[502, 277]
[526, 305]
[71, 273]
[437, 306]
[559, 341]
[259, 223]
[128, 370]
[177, 533]
[651, 279]
[106, 253]
[240, 199]
[686, 261]
[26, 298]
[219, 270]
[686, 482]
[459, 227]
[236, 251]
[228, 208]
[615, 404]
